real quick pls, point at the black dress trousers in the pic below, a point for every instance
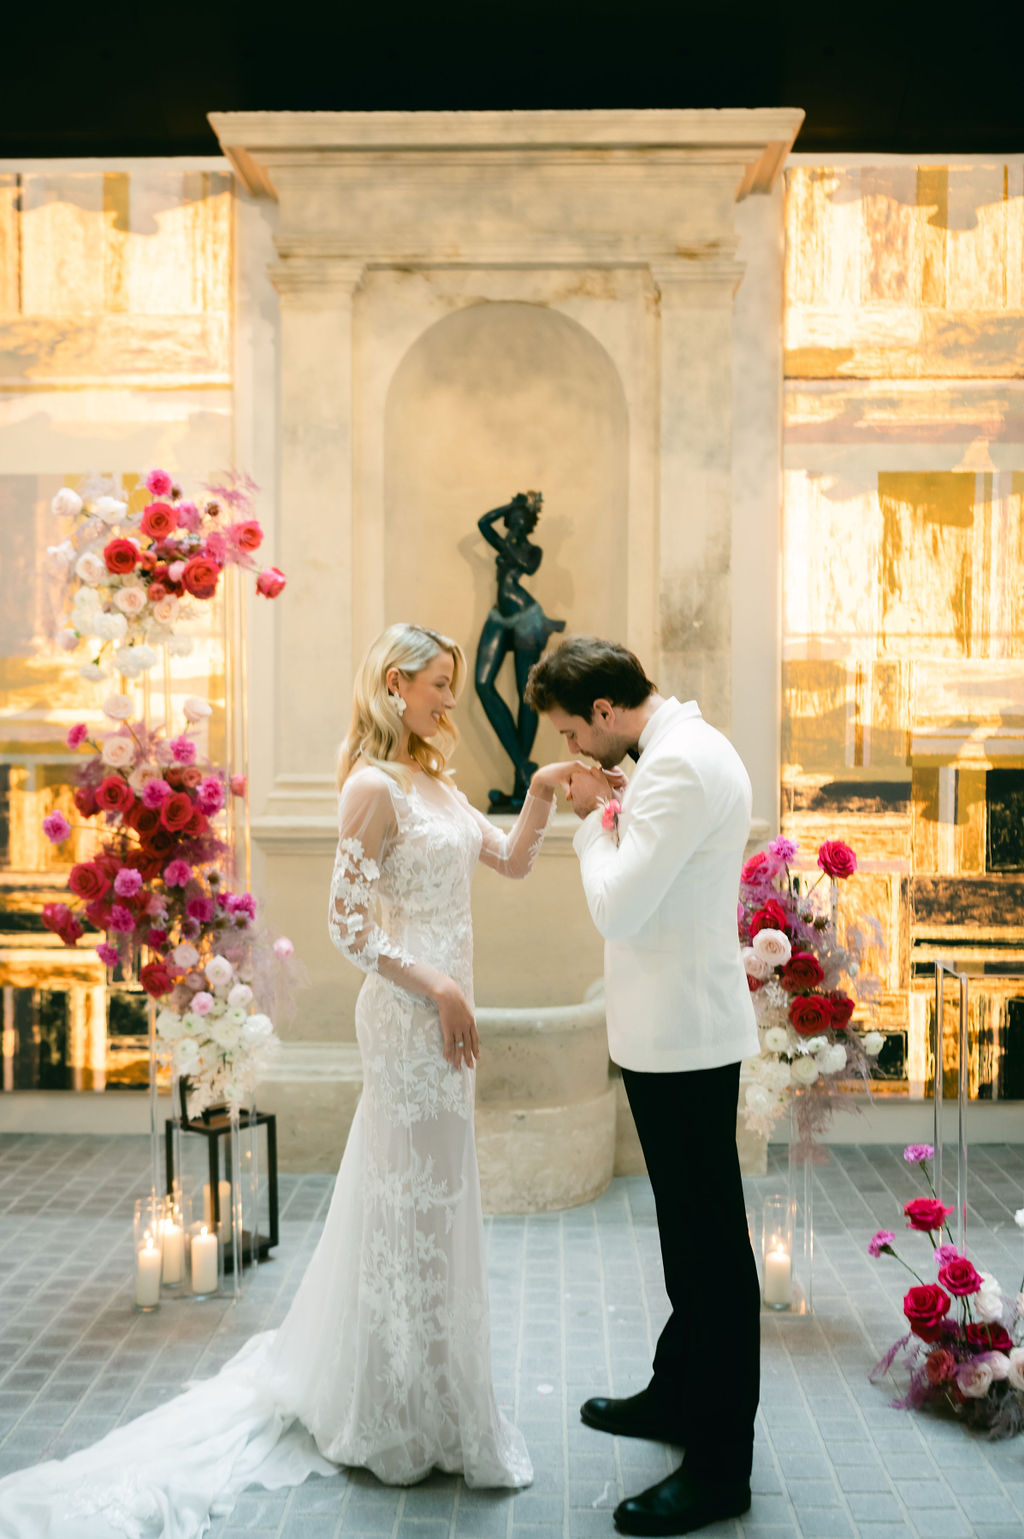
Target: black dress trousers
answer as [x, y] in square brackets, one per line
[707, 1362]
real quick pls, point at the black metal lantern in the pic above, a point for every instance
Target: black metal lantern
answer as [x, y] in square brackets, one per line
[214, 1125]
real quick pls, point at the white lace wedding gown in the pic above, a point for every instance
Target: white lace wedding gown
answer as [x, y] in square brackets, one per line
[383, 1359]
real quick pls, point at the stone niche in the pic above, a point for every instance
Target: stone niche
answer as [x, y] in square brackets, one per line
[434, 311]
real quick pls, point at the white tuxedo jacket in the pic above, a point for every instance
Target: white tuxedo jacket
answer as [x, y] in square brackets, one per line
[665, 897]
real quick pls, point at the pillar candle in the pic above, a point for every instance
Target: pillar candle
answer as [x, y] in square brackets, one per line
[224, 1201]
[174, 1252]
[147, 1275]
[204, 1262]
[777, 1271]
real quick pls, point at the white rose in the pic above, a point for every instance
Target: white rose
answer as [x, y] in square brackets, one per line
[998, 1362]
[226, 1033]
[168, 1025]
[66, 504]
[118, 707]
[755, 966]
[59, 557]
[219, 971]
[240, 996]
[145, 658]
[776, 1039]
[236, 1015]
[772, 946]
[778, 1075]
[110, 627]
[87, 601]
[118, 752]
[833, 1059]
[759, 1100]
[109, 509]
[989, 1282]
[805, 1071]
[813, 1044]
[186, 1056]
[1016, 1373]
[872, 1042]
[126, 660]
[180, 646]
[130, 601]
[193, 1023]
[165, 609]
[67, 639]
[90, 567]
[195, 709]
[988, 1306]
[185, 955]
[974, 1378]
[92, 671]
[259, 1028]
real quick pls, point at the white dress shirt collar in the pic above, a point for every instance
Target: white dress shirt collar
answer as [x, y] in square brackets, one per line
[668, 713]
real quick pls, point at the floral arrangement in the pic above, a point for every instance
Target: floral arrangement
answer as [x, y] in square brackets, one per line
[965, 1357]
[796, 966]
[155, 887]
[139, 573]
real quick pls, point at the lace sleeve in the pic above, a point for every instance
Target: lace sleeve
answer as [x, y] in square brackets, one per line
[514, 853]
[367, 827]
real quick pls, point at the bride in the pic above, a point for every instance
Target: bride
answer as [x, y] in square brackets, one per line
[383, 1359]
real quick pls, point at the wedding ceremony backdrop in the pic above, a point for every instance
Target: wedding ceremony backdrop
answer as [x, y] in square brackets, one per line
[773, 402]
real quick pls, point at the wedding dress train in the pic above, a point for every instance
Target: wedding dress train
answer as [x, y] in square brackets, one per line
[383, 1360]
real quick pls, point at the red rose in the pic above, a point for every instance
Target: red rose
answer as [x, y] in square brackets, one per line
[173, 777]
[842, 1009]
[159, 520]
[940, 1366]
[757, 866]
[989, 1338]
[176, 810]
[191, 775]
[247, 535]
[156, 940]
[85, 801]
[159, 844]
[98, 914]
[837, 859]
[197, 824]
[925, 1307]
[88, 881]
[200, 577]
[121, 556]
[753, 984]
[959, 1277]
[59, 918]
[270, 582]
[801, 972]
[809, 1014]
[145, 820]
[926, 1214]
[114, 794]
[156, 979]
[771, 917]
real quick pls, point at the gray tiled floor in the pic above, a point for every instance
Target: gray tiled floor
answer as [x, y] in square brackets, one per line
[576, 1302]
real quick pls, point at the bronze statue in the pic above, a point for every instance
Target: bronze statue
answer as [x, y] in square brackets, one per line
[517, 623]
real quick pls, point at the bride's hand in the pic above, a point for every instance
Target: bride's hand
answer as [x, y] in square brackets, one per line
[554, 777]
[458, 1026]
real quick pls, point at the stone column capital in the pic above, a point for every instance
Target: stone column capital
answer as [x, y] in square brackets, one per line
[313, 281]
[693, 282]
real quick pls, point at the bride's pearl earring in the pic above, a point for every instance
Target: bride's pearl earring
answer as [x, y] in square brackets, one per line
[397, 701]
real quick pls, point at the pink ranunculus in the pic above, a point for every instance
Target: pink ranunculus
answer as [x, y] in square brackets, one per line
[155, 792]
[177, 873]
[880, 1244]
[238, 785]
[108, 954]
[159, 483]
[283, 948]
[270, 582]
[202, 1003]
[201, 908]
[836, 859]
[183, 749]
[122, 919]
[77, 735]
[959, 1276]
[127, 882]
[926, 1214]
[56, 827]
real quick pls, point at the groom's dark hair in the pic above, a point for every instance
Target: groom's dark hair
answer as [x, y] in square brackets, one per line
[584, 669]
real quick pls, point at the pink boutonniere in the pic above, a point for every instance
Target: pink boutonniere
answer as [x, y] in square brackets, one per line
[610, 817]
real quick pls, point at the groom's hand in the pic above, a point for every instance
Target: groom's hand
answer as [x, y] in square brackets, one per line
[588, 788]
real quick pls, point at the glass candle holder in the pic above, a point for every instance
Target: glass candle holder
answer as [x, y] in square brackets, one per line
[174, 1228]
[205, 1261]
[777, 1252]
[147, 1240]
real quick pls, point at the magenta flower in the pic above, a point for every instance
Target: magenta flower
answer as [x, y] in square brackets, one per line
[237, 784]
[122, 919]
[944, 1254]
[159, 483]
[177, 873]
[184, 750]
[202, 909]
[241, 903]
[155, 793]
[915, 1153]
[210, 795]
[108, 954]
[77, 735]
[881, 1243]
[783, 849]
[127, 882]
[56, 827]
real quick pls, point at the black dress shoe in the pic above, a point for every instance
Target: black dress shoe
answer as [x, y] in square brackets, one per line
[635, 1416]
[679, 1504]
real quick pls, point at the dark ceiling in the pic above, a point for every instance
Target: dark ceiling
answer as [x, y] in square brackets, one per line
[139, 78]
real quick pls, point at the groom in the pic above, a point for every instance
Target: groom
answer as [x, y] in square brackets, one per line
[662, 889]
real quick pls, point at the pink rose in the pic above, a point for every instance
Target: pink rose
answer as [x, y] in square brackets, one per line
[59, 918]
[836, 859]
[926, 1214]
[114, 794]
[246, 535]
[200, 577]
[77, 735]
[88, 881]
[159, 483]
[270, 582]
[237, 784]
[958, 1276]
[130, 601]
[56, 827]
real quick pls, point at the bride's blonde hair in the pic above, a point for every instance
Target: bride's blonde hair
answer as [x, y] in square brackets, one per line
[375, 733]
